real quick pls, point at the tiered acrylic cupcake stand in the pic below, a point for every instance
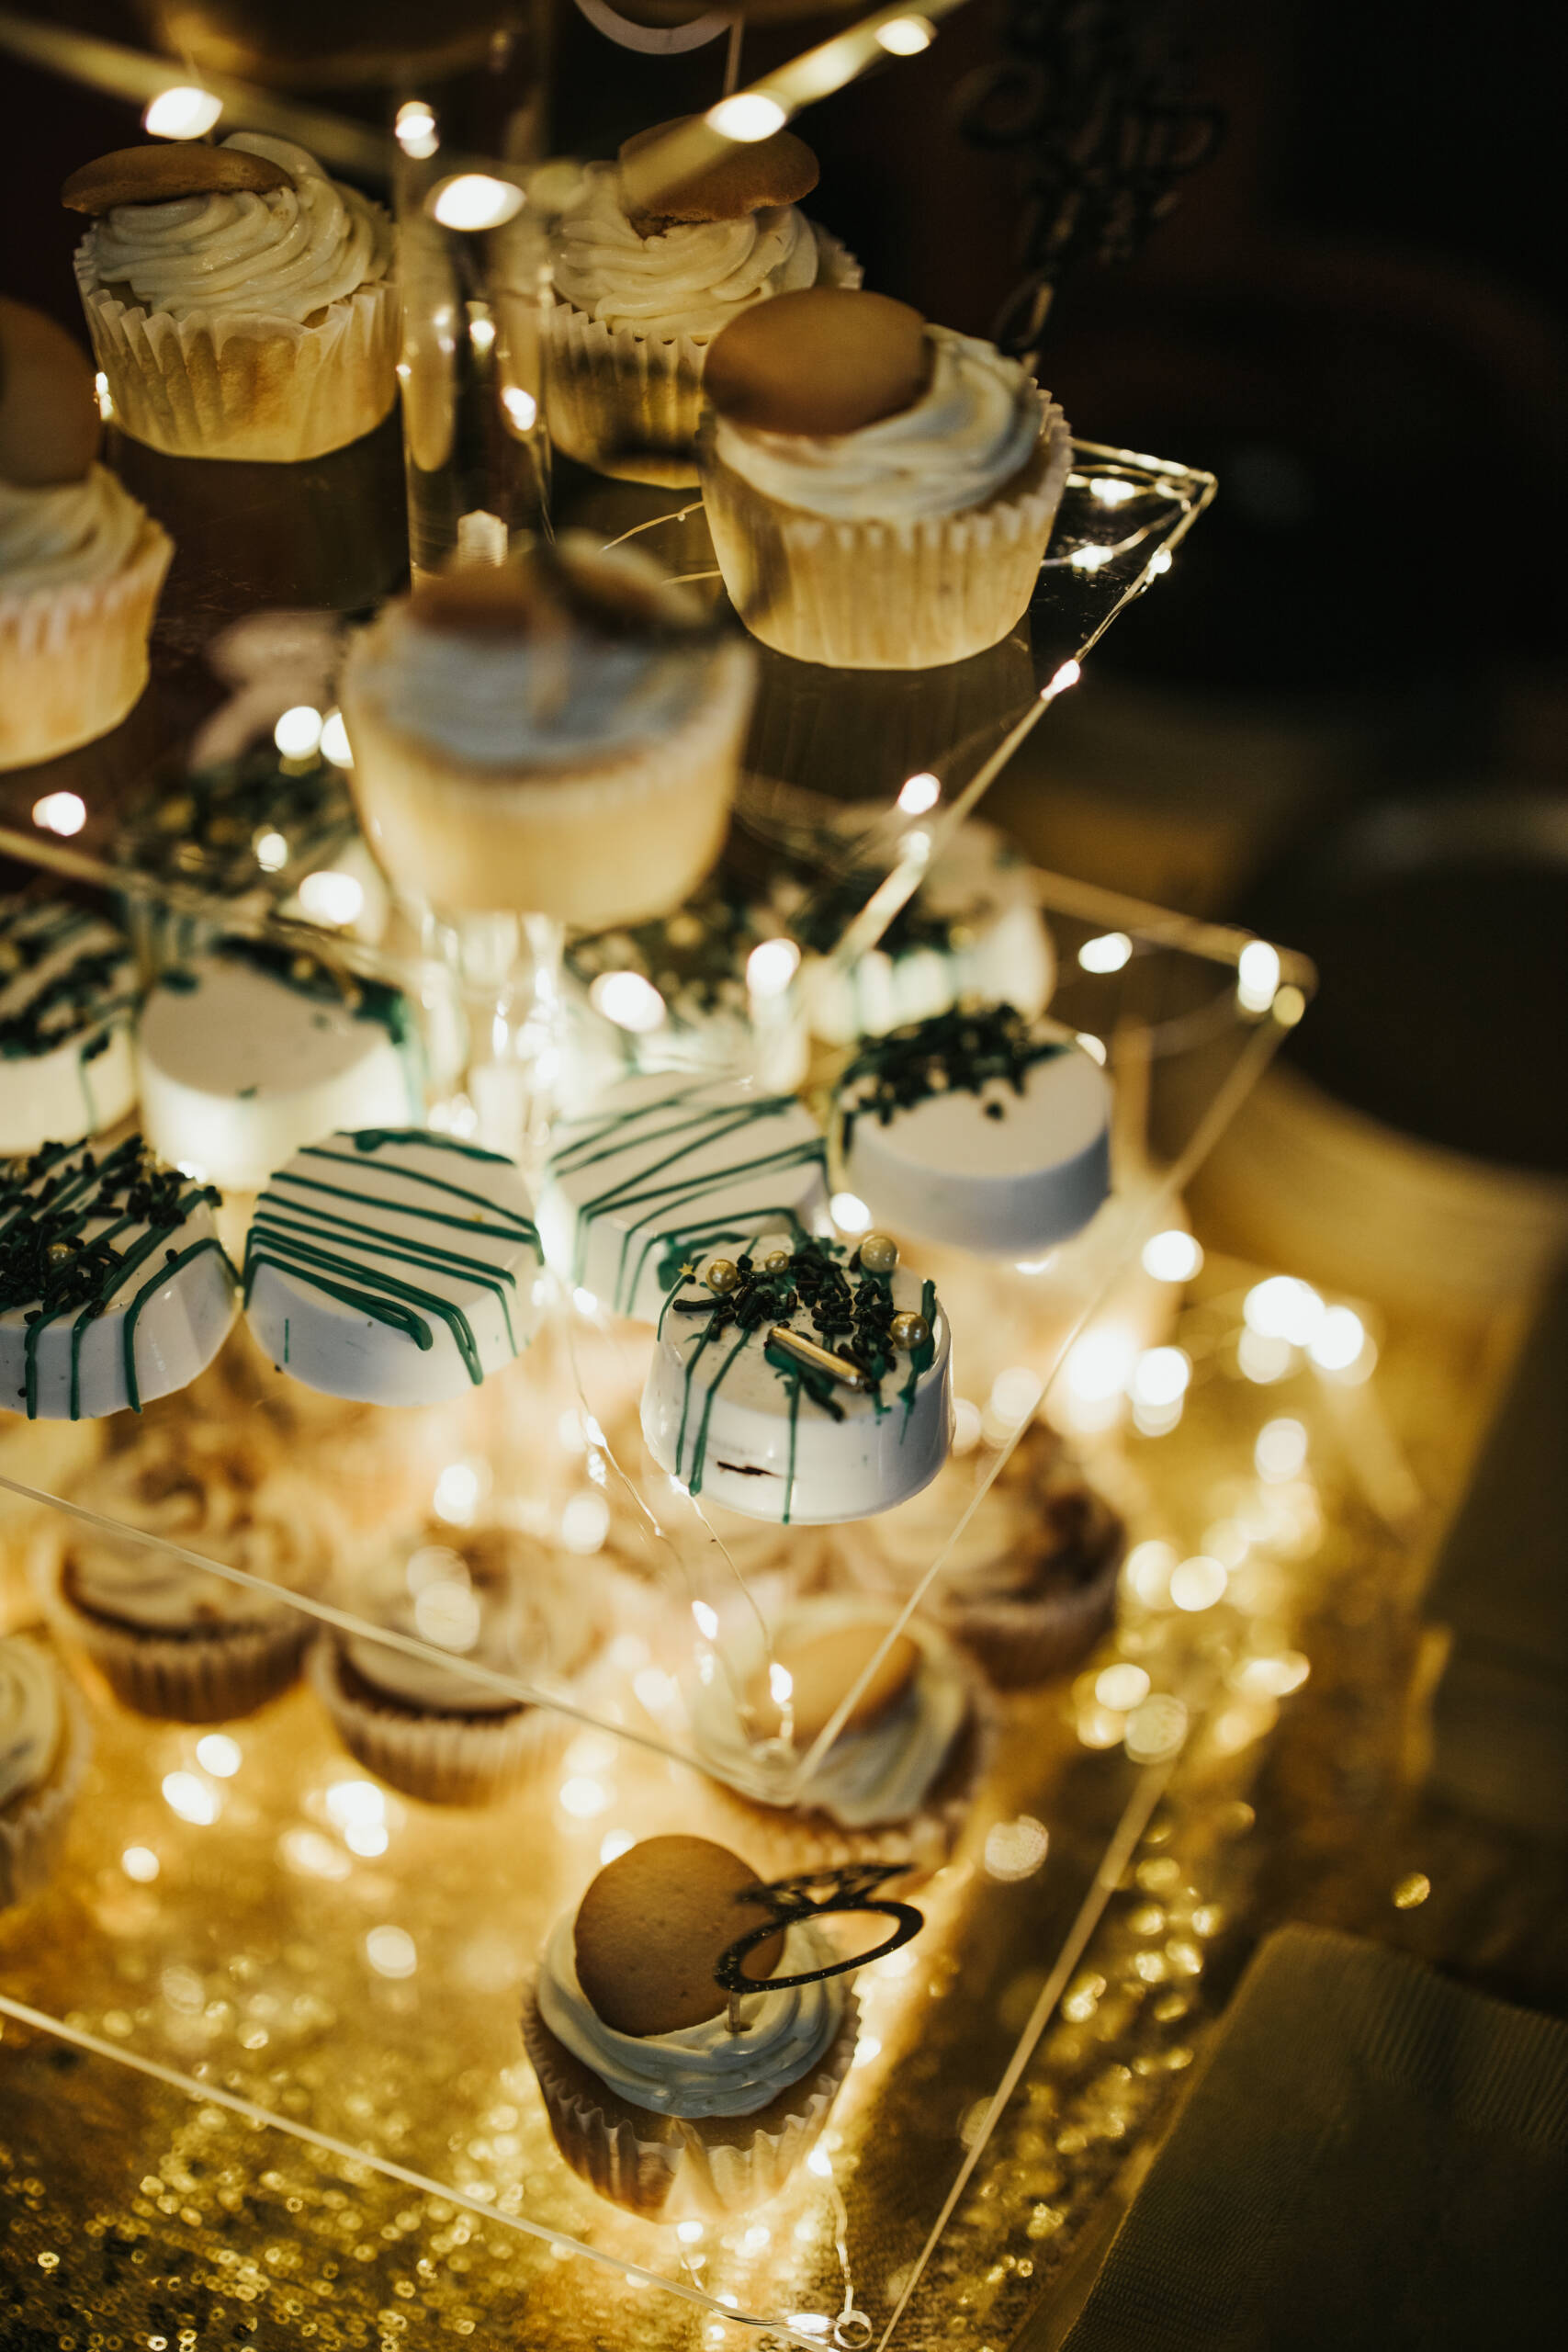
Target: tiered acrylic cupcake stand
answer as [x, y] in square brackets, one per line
[282, 1989]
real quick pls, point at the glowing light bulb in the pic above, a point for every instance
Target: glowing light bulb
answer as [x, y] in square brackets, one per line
[780, 1683]
[334, 744]
[391, 1952]
[584, 1523]
[771, 966]
[191, 1798]
[481, 335]
[270, 851]
[1121, 1687]
[183, 112]
[60, 812]
[414, 129]
[1112, 493]
[1015, 1849]
[906, 36]
[521, 408]
[457, 1494]
[1340, 1340]
[748, 115]
[329, 897]
[706, 1620]
[1161, 1376]
[922, 792]
[218, 1754]
[1067, 675]
[1281, 1451]
[1256, 976]
[1196, 1584]
[140, 1863]
[1284, 1308]
[103, 396]
[1172, 1257]
[297, 733]
[1107, 954]
[850, 1213]
[475, 200]
[628, 1001]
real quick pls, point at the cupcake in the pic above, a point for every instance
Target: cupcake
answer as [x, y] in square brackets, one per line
[669, 2095]
[557, 735]
[880, 492]
[173, 1640]
[81, 563]
[645, 278]
[240, 302]
[895, 1782]
[1028, 1584]
[44, 1745]
[486, 1595]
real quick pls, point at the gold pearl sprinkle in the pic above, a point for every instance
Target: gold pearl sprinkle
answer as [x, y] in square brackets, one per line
[910, 1332]
[879, 1253]
[723, 1274]
[778, 1261]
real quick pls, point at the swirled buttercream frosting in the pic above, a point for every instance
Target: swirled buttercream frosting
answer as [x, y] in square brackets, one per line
[225, 1497]
[974, 427]
[488, 1596]
[66, 535]
[546, 695]
[31, 1717]
[702, 2069]
[285, 253]
[867, 1778]
[689, 280]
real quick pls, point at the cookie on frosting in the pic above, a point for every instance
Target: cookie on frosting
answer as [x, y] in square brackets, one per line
[163, 174]
[821, 1666]
[653, 1928]
[747, 178]
[822, 361]
[50, 428]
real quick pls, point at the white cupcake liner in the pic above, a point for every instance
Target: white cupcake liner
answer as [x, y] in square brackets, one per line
[33, 1826]
[232, 384]
[685, 2175]
[441, 1760]
[885, 595]
[73, 660]
[628, 403]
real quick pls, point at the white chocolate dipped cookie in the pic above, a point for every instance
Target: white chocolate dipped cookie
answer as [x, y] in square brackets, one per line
[114, 1288]
[797, 1387]
[249, 1052]
[393, 1265]
[664, 1166]
[978, 1129]
[67, 991]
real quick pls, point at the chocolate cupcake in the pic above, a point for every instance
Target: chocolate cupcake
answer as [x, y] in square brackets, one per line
[880, 492]
[1028, 1584]
[485, 1596]
[645, 278]
[173, 1640]
[668, 2097]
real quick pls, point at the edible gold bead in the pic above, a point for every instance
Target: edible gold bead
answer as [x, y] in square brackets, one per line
[778, 1261]
[909, 1332]
[723, 1274]
[59, 1252]
[879, 1253]
[302, 967]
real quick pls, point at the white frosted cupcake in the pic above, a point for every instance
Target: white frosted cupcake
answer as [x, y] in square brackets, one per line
[171, 1639]
[642, 288]
[880, 493]
[668, 2099]
[559, 734]
[895, 1782]
[44, 1745]
[240, 302]
[1028, 1585]
[81, 563]
[68, 988]
[485, 1595]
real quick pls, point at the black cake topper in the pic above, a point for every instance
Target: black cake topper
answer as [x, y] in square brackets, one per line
[812, 1894]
